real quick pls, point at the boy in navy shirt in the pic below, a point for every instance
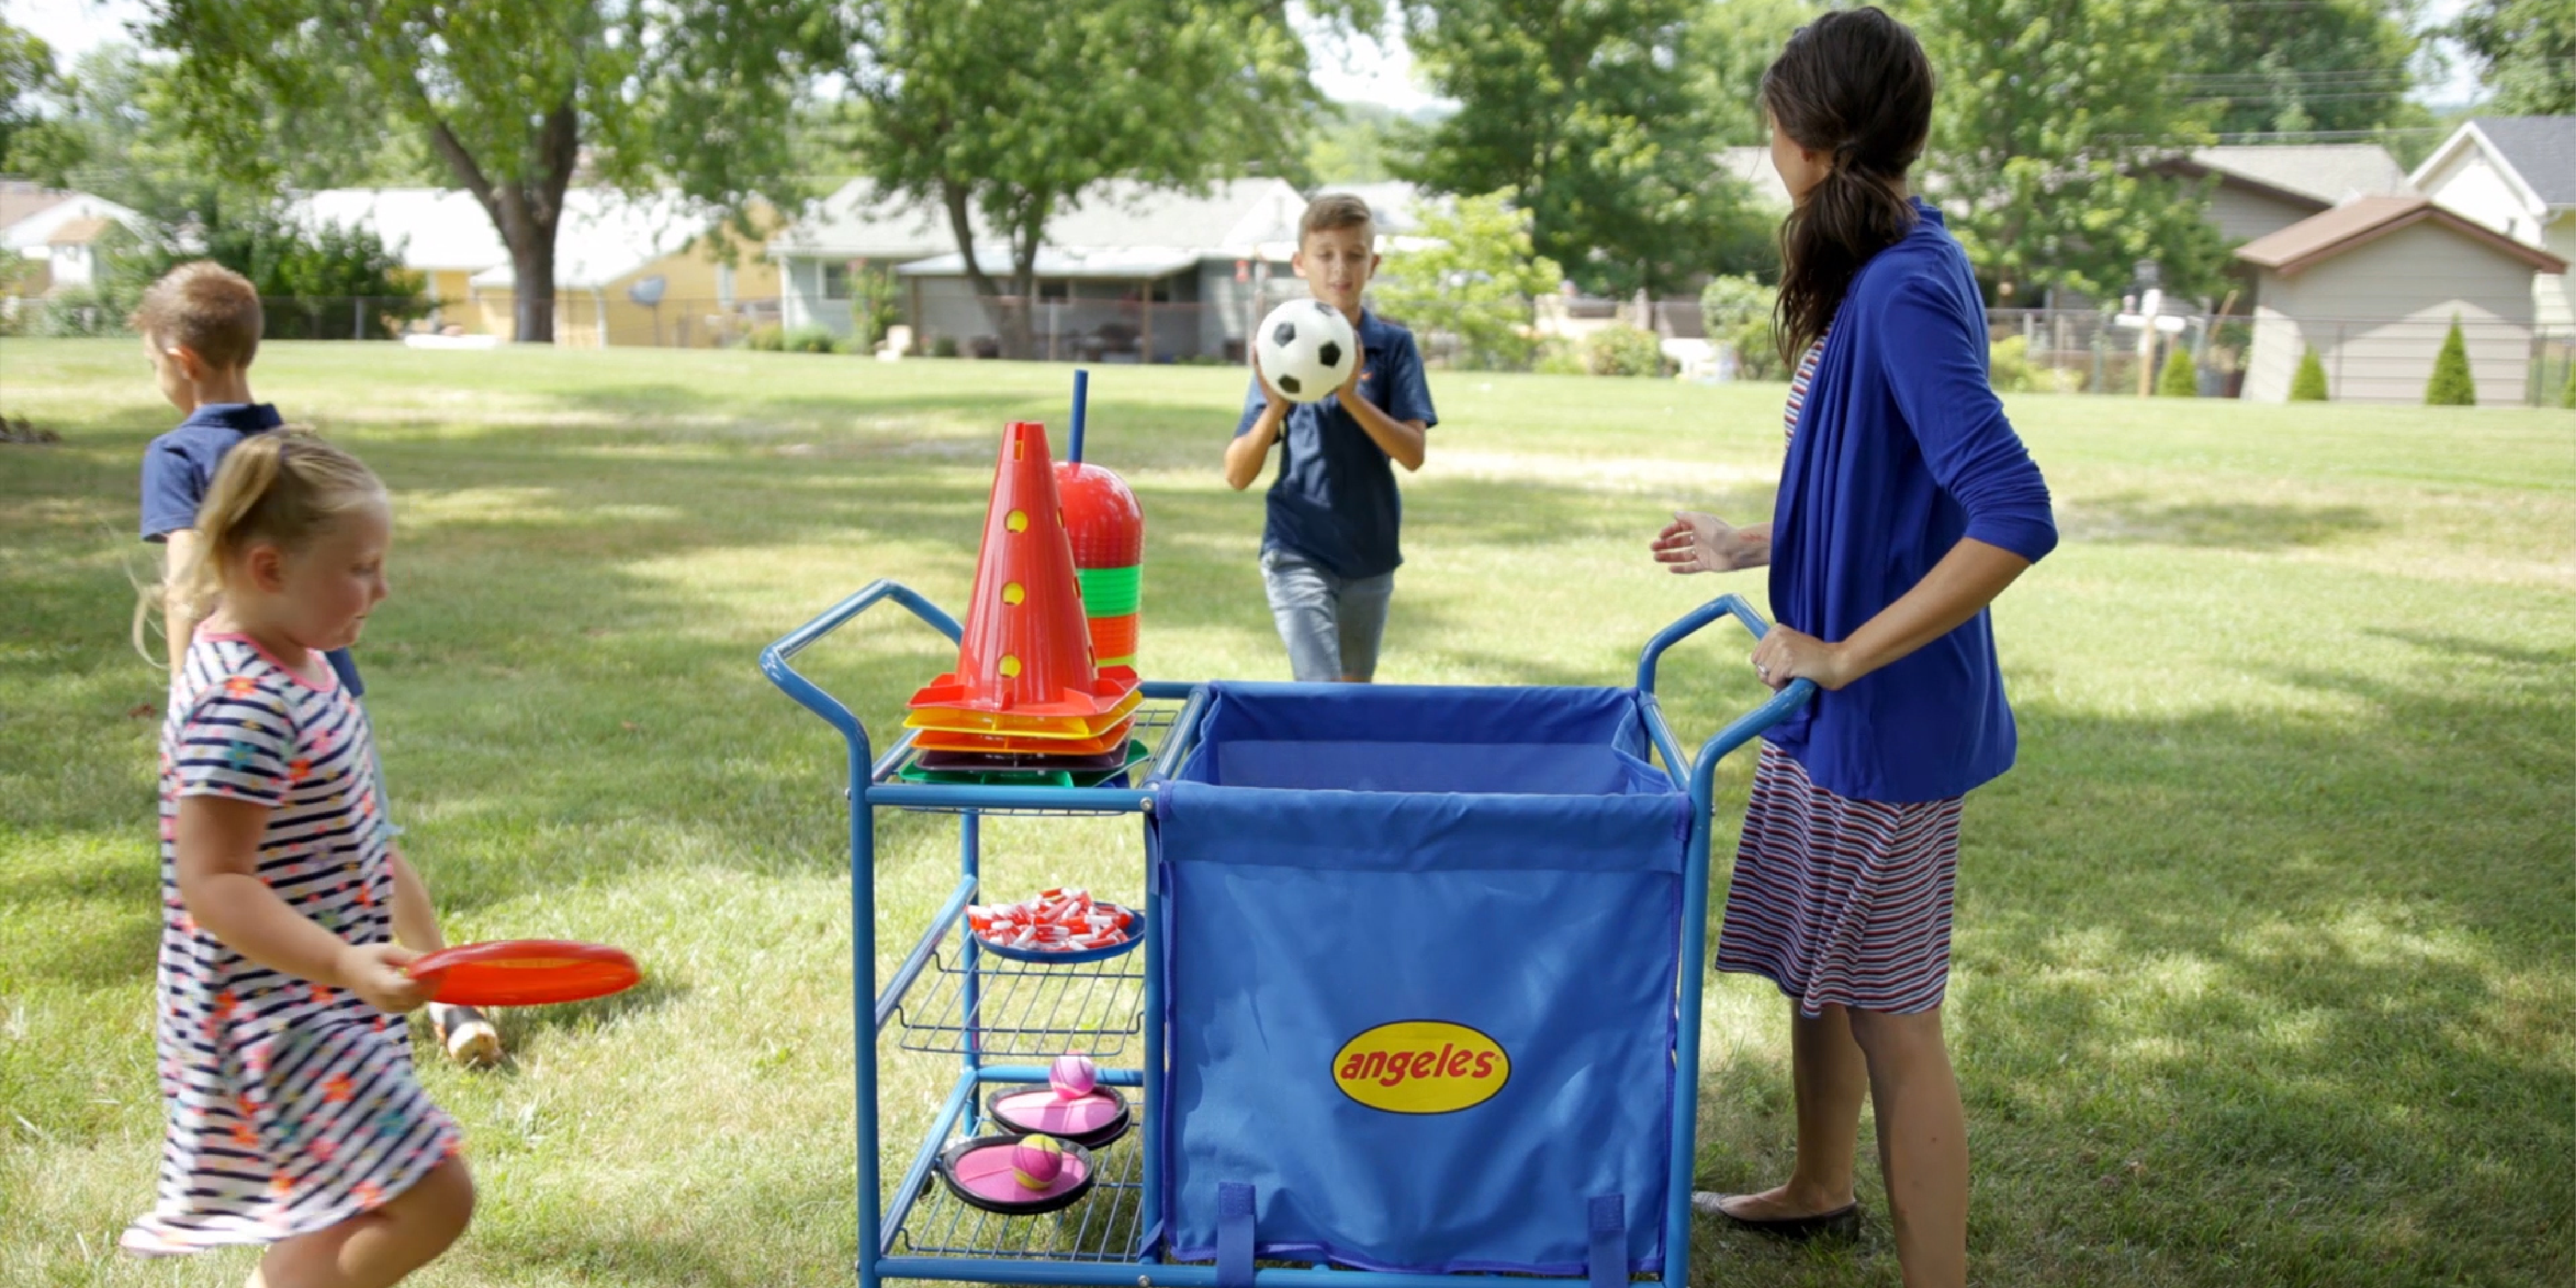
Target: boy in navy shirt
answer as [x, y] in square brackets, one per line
[201, 325]
[1329, 549]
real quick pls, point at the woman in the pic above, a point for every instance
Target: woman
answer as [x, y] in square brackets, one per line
[1906, 505]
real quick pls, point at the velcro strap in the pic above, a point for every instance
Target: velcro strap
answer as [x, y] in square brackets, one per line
[1233, 1235]
[1609, 1242]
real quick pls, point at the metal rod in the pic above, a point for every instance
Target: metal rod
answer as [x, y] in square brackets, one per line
[959, 1096]
[1081, 405]
[891, 998]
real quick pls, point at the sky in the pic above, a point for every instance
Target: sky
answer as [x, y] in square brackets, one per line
[1354, 69]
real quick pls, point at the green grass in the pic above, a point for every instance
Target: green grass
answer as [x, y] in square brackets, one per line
[2264, 965]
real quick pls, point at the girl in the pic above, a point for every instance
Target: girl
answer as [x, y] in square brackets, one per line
[1906, 505]
[294, 1118]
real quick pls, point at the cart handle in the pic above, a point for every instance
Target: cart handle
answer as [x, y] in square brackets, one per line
[773, 659]
[1746, 726]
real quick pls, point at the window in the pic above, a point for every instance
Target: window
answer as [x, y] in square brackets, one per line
[836, 281]
[724, 285]
[1054, 292]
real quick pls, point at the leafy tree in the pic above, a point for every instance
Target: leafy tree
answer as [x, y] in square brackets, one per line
[26, 74]
[2291, 68]
[1731, 43]
[2181, 377]
[2047, 114]
[1603, 115]
[514, 97]
[2526, 51]
[1475, 284]
[1004, 113]
[2452, 385]
[2309, 385]
[1350, 142]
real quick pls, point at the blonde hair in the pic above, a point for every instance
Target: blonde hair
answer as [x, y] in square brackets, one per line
[1334, 211]
[283, 487]
[206, 308]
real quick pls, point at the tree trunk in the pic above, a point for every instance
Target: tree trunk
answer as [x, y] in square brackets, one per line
[1010, 315]
[532, 269]
[527, 212]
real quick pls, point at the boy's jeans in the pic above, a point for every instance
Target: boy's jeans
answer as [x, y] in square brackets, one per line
[1330, 624]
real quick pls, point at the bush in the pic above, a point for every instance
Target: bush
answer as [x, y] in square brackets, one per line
[2009, 370]
[1727, 303]
[325, 282]
[810, 339]
[1472, 281]
[769, 337]
[944, 347]
[2310, 384]
[2180, 378]
[1622, 350]
[1757, 354]
[79, 314]
[1557, 358]
[2567, 396]
[2452, 385]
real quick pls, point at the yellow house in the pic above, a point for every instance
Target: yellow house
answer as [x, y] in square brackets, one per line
[628, 270]
[641, 272]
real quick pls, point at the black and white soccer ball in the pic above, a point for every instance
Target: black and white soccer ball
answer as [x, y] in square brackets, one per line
[1307, 350]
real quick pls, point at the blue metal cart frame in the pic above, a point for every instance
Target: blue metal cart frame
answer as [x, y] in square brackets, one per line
[1002, 1046]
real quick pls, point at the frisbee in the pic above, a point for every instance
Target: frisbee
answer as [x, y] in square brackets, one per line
[525, 972]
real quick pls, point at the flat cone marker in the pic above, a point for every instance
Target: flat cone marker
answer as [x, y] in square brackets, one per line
[1026, 649]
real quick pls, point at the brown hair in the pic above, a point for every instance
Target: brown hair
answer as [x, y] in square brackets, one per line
[1333, 211]
[1855, 84]
[205, 308]
[283, 487]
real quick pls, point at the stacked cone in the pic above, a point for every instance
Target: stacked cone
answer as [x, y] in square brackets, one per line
[1107, 529]
[1029, 695]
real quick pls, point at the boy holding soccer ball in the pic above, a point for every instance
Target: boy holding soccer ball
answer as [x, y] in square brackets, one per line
[1328, 550]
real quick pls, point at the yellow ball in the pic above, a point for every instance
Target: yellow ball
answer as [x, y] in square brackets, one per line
[1037, 1161]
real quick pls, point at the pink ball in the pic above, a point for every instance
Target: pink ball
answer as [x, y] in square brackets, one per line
[1037, 1161]
[1073, 1076]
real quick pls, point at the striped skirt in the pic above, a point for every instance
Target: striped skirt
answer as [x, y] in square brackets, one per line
[1841, 902]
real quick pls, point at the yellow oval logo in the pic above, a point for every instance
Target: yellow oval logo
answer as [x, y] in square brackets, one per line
[1421, 1067]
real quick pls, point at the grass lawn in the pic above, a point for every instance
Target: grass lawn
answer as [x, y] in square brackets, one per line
[2263, 967]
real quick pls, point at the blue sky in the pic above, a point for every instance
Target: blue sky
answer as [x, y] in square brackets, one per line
[1356, 69]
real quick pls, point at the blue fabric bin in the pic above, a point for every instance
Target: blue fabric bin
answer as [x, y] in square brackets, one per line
[1419, 966]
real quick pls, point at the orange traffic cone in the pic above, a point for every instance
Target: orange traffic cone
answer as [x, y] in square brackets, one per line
[1026, 649]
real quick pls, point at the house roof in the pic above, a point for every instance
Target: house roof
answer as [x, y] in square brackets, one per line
[430, 228]
[2318, 174]
[1112, 263]
[20, 199]
[2321, 237]
[2541, 150]
[604, 234]
[79, 232]
[859, 222]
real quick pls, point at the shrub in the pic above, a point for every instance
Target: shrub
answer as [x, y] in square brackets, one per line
[944, 347]
[2452, 385]
[2310, 384]
[2567, 396]
[810, 339]
[1757, 355]
[2180, 378]
[79, 313]
[1622, 350]
[1557, 358]
[1728, 302]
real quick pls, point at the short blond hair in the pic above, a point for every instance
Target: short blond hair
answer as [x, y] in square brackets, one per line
[1335, 211]
[205, 308]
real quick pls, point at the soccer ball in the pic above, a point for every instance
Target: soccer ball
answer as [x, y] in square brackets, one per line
[1306, 350]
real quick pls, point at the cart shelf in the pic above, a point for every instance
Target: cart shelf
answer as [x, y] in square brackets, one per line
[997, 1008]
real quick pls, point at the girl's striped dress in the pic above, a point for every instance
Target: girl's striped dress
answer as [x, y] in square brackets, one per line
[291, 1106]
[1841, 902]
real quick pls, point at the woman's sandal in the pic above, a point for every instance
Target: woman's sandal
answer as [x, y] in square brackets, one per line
[1841, 1223]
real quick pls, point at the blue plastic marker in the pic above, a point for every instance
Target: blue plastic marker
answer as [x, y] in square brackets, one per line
[1081, 396]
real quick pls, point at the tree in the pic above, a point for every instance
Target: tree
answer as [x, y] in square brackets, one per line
[2293, 68]
[2181, 377]
[513, 96]
[2526, 50]
[1596, 113]
[1349, 142]
[1006, 112]
[2309, 385]
[2048, 113]
[26, 73]
[1475, 284]
[2452, 385]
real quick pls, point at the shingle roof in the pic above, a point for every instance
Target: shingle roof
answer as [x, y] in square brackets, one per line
[1231, 216]
[2327, 173]
[2541, 149]
[2323, 236]
[19, 199]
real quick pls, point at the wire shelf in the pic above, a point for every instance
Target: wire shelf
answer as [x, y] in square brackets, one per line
[1104, 1227]
[1026, 1009]
[1154, 721]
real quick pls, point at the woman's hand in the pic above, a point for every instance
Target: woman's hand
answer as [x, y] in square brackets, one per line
[1785, 654]
[1696, 542]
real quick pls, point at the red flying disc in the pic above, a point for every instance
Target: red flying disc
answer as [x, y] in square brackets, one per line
[525, 972]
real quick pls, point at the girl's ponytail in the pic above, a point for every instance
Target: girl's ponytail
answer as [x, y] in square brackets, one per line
[1854, 84]
[281, 487]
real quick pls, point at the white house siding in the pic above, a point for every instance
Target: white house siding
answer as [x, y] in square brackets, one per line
[801, 302]
[2553, 296]
[2377, 315]
[2472, 186]
[2277, 347]
[2241, 215]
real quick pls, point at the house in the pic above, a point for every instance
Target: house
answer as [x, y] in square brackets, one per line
[2373, 285]
[58, 231]
[2261, 190]
[2516, 174]
[628, 269]
[1133, 272]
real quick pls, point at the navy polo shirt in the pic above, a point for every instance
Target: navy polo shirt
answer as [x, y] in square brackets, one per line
[1335, 502]
[179, 469]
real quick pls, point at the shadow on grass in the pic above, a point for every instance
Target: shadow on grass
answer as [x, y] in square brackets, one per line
[2252, 1002]
[2134, 519]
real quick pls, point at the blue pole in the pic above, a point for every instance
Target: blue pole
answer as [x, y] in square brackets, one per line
[1081, 401]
